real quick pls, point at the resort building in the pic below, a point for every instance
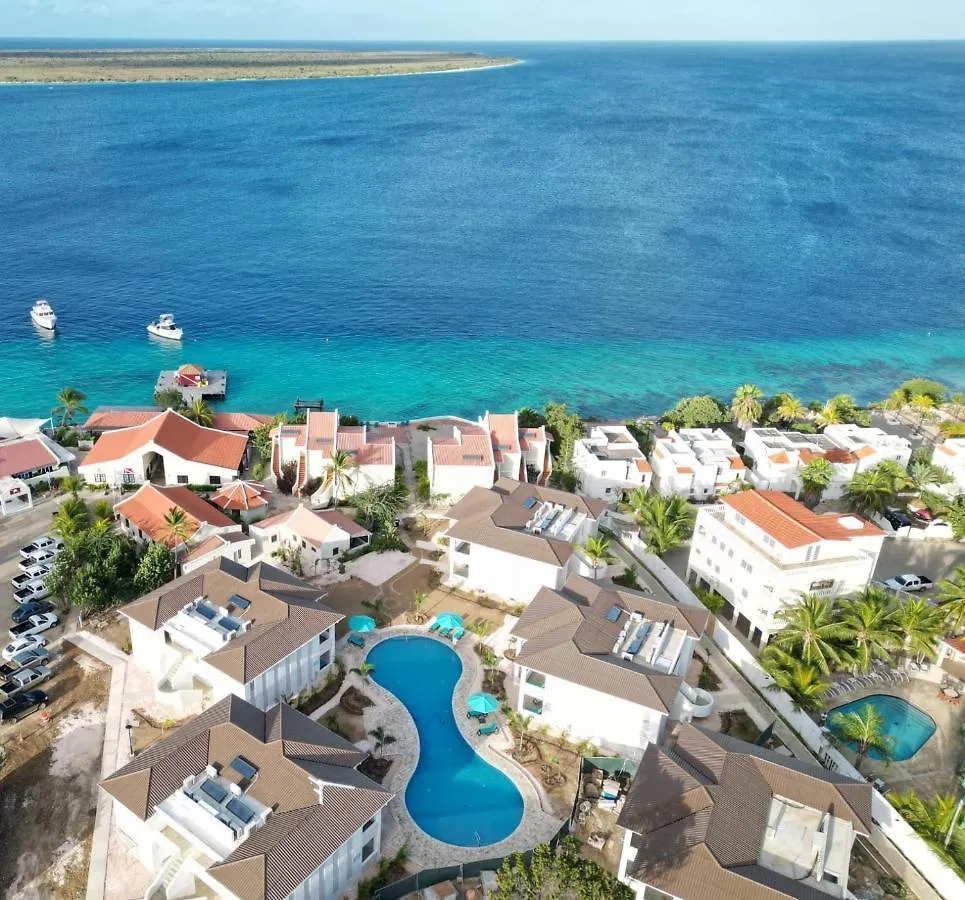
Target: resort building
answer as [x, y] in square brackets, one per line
[256, 632]
[610, 666]
[309, 449]
[11, 429]
[110, 418]
[318, 537]
[951, 656]
[248, 499]
[167, 449]
[513, 539]
[241, 804]
[28, 461]
[608, 462]
[463, 462]
[779, 456]
[696, 463]
[950, 454]
[207, 532]
[761, 550]
[519, 453]
[710, 817]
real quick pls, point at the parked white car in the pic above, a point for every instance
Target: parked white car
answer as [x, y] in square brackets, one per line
[43, 557]
[33, 625]
[39, 545]
[910, 582]
[38, 591]
[33, 574]
[18, 646]
[24, 679]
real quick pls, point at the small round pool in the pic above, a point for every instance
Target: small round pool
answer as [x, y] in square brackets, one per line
[454, 795]
[905, 722]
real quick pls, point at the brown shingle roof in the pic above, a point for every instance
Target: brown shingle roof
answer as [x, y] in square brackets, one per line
[177, 435]
[300, 832]
[496, 517]
[284, 612]
[791, 523]
[698, 812]
[567, 635]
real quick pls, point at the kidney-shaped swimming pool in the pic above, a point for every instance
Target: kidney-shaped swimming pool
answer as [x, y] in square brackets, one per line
[454, 795]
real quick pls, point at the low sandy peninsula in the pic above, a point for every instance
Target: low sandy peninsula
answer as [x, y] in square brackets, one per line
[53, 66]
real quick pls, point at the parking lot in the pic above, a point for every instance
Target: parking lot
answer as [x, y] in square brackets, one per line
[936, 559]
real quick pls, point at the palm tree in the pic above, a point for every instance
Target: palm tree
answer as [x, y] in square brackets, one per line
[597, 552]
[924, 407]
[178, 526]
[746, 407]
[804, 684]
[364, 670]
[103, 511]
[377, 607]
[923, 475]
[520, 723]
[70, 520]
[951, 596]
[865, 728]
[933, 819]
[72, 483]
[340, 473]
[790, 409]
[870, 623]
[919, 625]
[830, 414]
[816, 476]
[870, 492]
[382, 739]
[199, 412]
[668, 521]
[810, 632]
[70, 402]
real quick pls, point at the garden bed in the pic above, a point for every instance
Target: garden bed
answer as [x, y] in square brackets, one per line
[354, 702]
[316, 699]
[376, 768]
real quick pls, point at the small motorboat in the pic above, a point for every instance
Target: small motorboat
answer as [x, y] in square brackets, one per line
[43, 315]
[164, 327]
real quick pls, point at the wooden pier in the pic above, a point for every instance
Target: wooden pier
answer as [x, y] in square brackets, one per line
[194, 383]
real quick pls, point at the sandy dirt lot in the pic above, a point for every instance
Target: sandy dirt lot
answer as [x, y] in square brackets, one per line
[48, 786]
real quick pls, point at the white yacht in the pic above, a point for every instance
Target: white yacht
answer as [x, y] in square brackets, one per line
[164, 327]
[43, 316]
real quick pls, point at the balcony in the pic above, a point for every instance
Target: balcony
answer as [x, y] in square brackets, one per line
[533, 705]
[462, 547]
[535, 679]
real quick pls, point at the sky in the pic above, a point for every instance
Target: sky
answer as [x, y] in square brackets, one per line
[486, 20]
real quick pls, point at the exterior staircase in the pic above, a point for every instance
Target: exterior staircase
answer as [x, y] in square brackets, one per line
[275, 460]
[302, 476]
[547, 468]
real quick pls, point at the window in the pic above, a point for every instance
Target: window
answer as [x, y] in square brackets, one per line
[769, 541]
[274, 538]
[214, 479]
[743, 592]
[100, 478]
[713, 540]
[368, 849]
[368, 825]
[746, 566]
[730, 553]
[741, 520]
[182, 479]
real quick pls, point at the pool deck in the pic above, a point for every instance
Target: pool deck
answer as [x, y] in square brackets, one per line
[538, 824]
[932, 769]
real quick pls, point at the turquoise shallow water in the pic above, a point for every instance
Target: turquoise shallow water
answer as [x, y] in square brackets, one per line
[611, 225]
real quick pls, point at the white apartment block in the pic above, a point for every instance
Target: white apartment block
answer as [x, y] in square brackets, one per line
[779, 456]
[608, 462]
[513, 539]
[256, 632]
[696, 463]
[241, 804]
[310, 448]
[761, 550]
[606, 665]
[460, 463]
[950, 454]
[710, 817]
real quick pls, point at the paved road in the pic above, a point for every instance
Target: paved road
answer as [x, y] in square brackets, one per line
[15, 532]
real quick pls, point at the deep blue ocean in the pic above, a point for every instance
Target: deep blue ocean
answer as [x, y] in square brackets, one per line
[611, 225]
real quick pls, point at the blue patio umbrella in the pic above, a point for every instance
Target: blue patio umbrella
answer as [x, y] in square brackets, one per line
[361, 624]
[449, 620]
[482, 703]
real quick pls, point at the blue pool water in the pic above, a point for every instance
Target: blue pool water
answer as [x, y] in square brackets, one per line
[454, 795]
[910, 726]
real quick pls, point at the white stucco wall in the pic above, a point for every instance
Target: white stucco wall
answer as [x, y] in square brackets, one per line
[111, 472]
[505, 575]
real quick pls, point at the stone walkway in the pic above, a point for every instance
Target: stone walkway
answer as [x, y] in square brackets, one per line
[538, 824]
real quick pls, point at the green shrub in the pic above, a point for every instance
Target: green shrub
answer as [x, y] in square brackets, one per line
[420, 467]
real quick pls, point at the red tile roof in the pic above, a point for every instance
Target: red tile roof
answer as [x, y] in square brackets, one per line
[241, 495]
[956, 643]
[176, 434]
[147, 508]
[112, 418]
[781, 458]
[470, 447]
[642, 465]
[314, 527]
[504, 431]
[792, 524]
[321, 428]
[736, 462]
[25, 455]
[839, 455]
